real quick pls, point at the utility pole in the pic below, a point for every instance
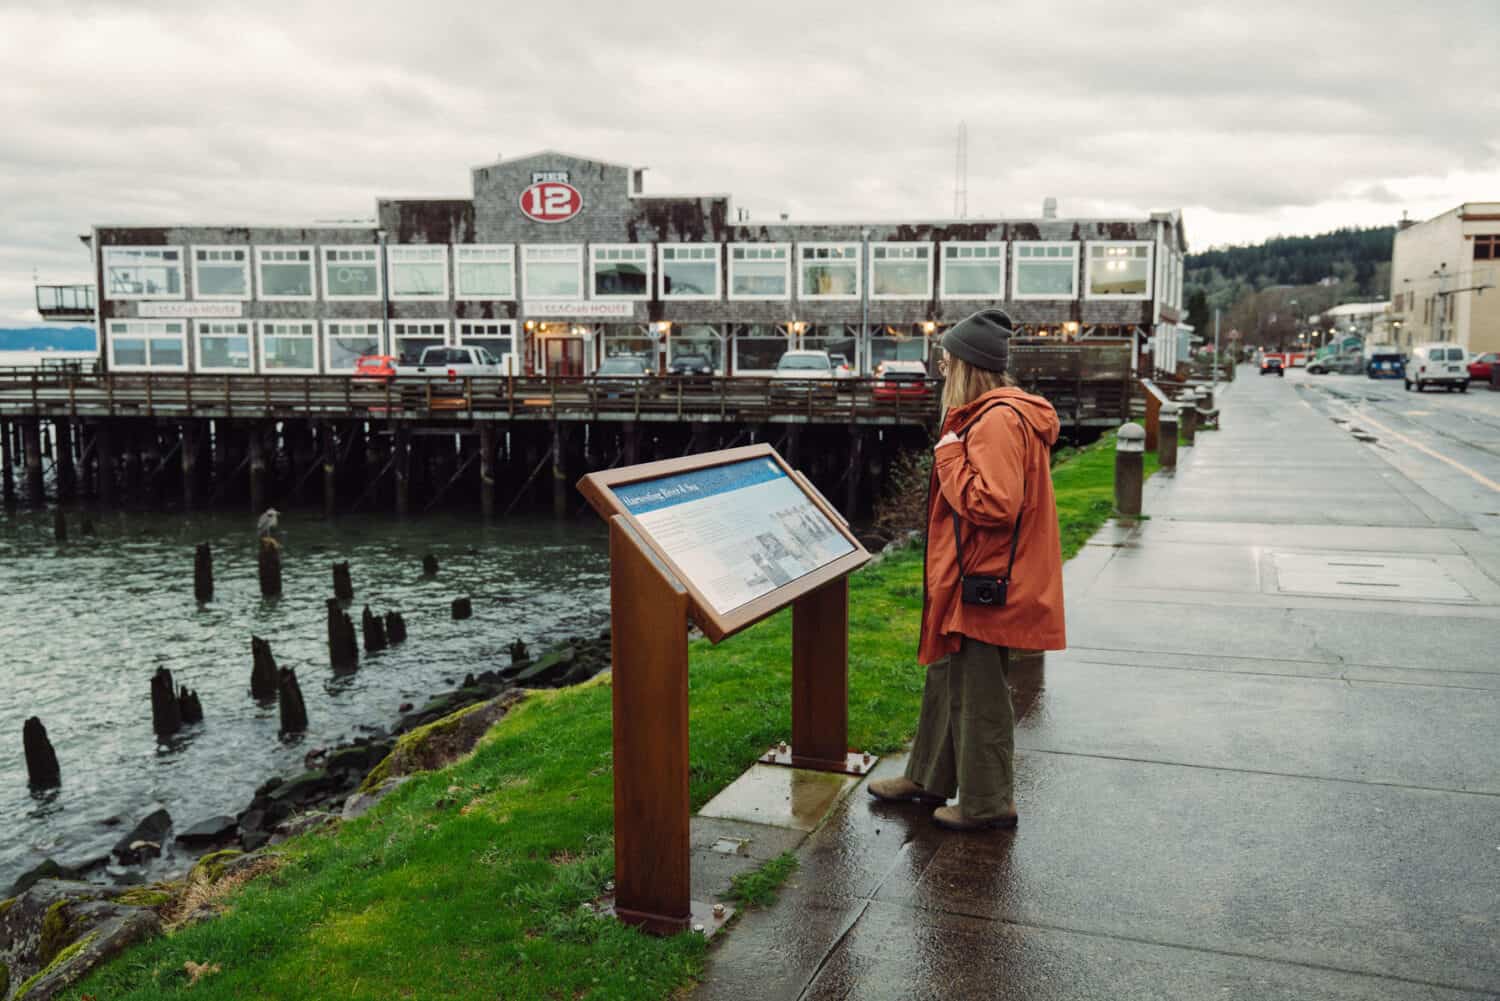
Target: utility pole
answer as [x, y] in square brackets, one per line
[862, 345]
[1216, 353]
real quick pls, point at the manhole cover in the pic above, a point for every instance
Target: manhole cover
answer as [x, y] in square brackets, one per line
[1390, 578]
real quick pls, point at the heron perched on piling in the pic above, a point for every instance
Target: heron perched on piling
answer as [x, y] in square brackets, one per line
[265, 527]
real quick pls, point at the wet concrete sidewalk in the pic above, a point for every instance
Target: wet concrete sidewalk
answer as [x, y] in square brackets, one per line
[1267, 767]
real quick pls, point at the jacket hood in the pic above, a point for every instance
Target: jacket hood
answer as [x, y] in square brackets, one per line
[1034, 410]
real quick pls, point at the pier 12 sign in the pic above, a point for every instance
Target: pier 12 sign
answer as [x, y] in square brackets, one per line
[550, 198]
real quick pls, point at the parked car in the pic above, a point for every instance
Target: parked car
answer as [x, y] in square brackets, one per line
[1271, 365]
[905, 380]
[1319, 366]
[841, 367]
[1480, 368]
[1385, 362]
[454, 363]
[803, 373]
[623, 375]
[691, 364]
[1437, 365]
[374, 370]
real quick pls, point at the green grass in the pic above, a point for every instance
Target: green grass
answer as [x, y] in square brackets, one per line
[485, 897]
[758, 887]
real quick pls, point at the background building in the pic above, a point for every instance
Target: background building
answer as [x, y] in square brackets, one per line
[557, 262]
[1444, 278]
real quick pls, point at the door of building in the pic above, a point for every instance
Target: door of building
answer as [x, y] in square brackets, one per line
[563, 356]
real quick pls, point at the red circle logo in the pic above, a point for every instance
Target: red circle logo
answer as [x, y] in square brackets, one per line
[551, 201]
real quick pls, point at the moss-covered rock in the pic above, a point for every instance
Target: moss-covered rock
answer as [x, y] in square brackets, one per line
[57, 963]
[4, 980]
[6, 905]
[210, 867]
[54, 936]
[146, 896]
[442, 742]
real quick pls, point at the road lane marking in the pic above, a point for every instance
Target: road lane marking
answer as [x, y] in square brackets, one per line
[1472, 474]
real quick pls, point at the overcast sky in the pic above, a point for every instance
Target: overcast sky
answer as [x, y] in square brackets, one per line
[1254, 118]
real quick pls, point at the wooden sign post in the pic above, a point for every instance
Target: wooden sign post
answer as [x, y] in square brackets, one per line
[722, 540]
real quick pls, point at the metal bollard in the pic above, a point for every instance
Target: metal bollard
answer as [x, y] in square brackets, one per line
[1166, 437]
[1206, 397]
[1187, 412]
[1130, 457]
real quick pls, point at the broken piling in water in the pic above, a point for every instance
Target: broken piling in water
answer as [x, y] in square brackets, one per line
[462, 608]
[270, 569]
[373, 628]
[42, 769]
[343, 584]
[263, 674]
[289, 697]
[166, 712]
[343, 650]
[395, 628]
[203, 573]
[429, 565]
[59, 525]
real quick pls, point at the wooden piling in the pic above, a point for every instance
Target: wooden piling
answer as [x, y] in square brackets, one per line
[462, 608]
[104, 466]
[166, 712]
[7, 465]
[31, 445]
[343, 584]
[343, 651]
[487, 469]
[42, 769]
[67, 472]
[270, 569]
[189, 707]
[561, 490]
[402, 466]
[59, 524]
[264, 677]
[328, 446]
[203, 573]
[289, 698]
[429, 565]
[631, 446]
[856, 467]
[259, 473]
[190, 441]
[395, 628]
[372, 627]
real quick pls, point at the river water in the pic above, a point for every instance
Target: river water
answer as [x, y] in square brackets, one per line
[83, 626]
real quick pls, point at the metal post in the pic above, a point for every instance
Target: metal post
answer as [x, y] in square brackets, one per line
[1130, 457]
[1166, 437]
[1187, 405]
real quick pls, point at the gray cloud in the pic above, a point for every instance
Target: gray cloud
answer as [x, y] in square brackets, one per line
[1259, 118]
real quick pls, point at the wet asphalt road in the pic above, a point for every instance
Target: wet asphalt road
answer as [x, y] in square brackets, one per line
[1267, 767]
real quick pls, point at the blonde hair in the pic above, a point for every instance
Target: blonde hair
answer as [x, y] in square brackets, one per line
[966, 383]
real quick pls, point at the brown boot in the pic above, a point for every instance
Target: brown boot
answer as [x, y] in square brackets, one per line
[951, 818]
[902, 790]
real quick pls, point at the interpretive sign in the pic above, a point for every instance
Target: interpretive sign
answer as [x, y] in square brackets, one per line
[725, 539]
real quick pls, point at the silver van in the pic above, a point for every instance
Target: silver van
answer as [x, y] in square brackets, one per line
[1437, 364]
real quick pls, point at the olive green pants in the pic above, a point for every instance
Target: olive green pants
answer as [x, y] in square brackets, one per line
[966, 735]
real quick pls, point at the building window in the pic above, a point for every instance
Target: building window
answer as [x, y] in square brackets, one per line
[758, 347]
[1045, 271]
[630, 340]
[409, 338]
[760, 270]
[1120, 271]
[487, 272]
[900, 271]
[221, 273]
[143, 273]
[620, 271]
[284, 273]
[900, 342]
[288, 347]
[840, 340]
[498, 337]
[973, 270]
[351, 274]
[694, 340]
[552, 271]
[223, 346]
[689, 271]
[1487, 248]
[142, 345]
[418, 271]
[828, 271]
[345, 341]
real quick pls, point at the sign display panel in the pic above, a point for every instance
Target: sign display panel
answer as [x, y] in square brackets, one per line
[739, 530]
[551, 201]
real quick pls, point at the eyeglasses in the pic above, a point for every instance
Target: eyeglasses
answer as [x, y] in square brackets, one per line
[942, 364]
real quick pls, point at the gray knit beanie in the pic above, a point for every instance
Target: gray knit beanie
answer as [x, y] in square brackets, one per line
[982, 340]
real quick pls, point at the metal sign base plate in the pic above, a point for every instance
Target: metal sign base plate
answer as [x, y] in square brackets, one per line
[855, 762]
[708, 918]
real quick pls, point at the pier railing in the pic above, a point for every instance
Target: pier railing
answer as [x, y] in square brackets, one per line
[738, 398]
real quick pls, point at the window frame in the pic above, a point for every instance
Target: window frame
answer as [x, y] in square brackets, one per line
[203, 328]
[245, 269]
[999, 261]
[661, 273]
[579, 258]
[334, 248]
[593, 274]
[786, 272]
[144, 252]
[1490, 241]
[260, 278]
[111, 333]
[804, 295]
[461, 294]
[328, 332]
[1017, 295]
[395, 334]
[504, 329]
[926, 245]
[263, 331]
[1088, 271]
[393, 253]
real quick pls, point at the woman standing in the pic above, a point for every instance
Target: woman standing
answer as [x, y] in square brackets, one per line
[993, 580]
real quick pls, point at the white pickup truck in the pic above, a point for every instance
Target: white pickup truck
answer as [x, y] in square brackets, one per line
[453, 363]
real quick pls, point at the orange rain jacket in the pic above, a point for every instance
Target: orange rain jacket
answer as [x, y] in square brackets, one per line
[1004, 434]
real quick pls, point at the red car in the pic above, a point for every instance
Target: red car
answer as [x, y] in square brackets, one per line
[1479, 368]
[905, 380]
[374, 370]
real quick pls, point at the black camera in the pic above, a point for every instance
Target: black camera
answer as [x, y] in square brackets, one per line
[981, 590]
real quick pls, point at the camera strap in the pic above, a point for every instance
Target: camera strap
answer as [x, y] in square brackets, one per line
[958, 541]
